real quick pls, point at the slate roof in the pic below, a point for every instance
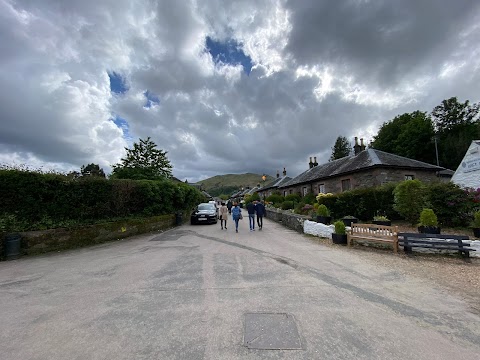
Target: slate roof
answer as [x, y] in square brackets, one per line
[276, 183]
[368, 158]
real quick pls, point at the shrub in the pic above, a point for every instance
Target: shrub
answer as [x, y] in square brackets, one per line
[428, 218]
[322, 210]
[309, 199]
[293, 197]
[287, 205]
[410, 199]
[275, 198]
[339, 228]
[476, 220]
[380, 218]
[452, 204]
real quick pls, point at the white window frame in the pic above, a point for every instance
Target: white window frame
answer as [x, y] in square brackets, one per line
[346, 181]
[321, 189]
[409, 177]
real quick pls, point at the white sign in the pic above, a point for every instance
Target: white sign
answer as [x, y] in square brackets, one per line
[471, 165]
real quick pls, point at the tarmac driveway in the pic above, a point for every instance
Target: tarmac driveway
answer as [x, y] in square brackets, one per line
[198, 292]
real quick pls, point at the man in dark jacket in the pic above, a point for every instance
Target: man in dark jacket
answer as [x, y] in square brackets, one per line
[251, 215]
[229, 206]
[260, 209]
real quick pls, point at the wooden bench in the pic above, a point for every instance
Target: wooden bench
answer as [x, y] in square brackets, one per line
[374, 232]
[435, 241]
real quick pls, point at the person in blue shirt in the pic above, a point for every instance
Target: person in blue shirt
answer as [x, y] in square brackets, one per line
[251, 215]
[260, 210]
[236, 215]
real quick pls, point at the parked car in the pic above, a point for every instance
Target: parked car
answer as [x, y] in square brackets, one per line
[204, 213]
[216, 207]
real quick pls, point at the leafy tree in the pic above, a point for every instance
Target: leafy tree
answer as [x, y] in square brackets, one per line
[92, 170]
[341, 148]
[410, 135]
[451, 113]
[410, 197]
[457, 124]
[143, 162]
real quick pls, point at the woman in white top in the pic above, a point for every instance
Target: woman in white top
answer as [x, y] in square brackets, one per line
[223, 215]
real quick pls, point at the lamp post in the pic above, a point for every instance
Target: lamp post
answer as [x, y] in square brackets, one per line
[264, 177]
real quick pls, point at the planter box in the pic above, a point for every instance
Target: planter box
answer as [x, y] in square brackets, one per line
[324, 219]
[339, 239]
[476, 232]
[349, 221]
[383, 222]
[429, 229]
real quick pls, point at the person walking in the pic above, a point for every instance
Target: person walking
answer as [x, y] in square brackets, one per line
[236, 215]
[260, 210]
[251, 215]
[229, 206]
[223, 216]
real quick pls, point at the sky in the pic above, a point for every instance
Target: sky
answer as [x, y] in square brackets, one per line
[222, 86]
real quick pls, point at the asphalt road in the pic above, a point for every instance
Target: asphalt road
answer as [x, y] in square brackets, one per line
[197, 292]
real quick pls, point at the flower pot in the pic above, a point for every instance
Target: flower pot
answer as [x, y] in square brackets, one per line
[382, 222]
[324, 219]
[476, 232]
[349, 221]
[339, 239]
[429, 229]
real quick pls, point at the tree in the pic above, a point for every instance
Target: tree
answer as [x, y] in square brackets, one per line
[410, 135]
[92, 170]
[341, 148]
[143, 162]
[451, 114]
[457, 124]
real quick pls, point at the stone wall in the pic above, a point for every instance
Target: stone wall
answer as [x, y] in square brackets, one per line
[287, 218]
[35, 242]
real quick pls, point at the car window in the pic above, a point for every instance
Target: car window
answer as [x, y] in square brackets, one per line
[206, 207]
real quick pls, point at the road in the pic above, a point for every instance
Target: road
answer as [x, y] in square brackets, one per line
[199, 292]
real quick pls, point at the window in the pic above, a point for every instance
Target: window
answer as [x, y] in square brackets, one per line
[346, 185]
[291, 191]
[284, 193]
[304, 191]
[321, 188]
[409, 177]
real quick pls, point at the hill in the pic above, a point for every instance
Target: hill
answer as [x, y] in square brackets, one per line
[229, 183]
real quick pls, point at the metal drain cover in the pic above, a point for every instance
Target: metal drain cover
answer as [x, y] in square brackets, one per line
[271, 331]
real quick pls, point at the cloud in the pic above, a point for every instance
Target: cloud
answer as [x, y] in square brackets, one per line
[82, 80]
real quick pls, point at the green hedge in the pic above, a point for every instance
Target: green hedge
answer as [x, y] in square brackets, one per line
[453, 205]
[43, 200]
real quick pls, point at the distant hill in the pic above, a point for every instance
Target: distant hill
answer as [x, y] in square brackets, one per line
[227, 184]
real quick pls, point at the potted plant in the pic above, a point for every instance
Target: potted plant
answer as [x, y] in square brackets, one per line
[339, 236]
[476, 224]
[428, 222]
[382, 220]
[323, 215]
[349, 220]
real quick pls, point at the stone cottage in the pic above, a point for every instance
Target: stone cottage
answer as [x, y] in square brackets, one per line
[366, 168]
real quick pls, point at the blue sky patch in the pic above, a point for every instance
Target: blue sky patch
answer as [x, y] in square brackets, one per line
[229, 52]
[152, 99]
[117, 83]
[124, 126]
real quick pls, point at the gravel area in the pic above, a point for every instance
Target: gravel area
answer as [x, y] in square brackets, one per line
[445, 271]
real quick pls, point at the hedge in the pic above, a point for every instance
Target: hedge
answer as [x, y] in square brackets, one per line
[38, 199]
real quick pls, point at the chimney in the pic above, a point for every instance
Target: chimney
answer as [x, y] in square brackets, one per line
[284, 172]
[356, 148]
[362, 146]
[315, 163]
[278, 174]
[310, 164]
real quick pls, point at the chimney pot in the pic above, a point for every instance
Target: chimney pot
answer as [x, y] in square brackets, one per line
[315, 163]
[278, 174]
[284, 172]
[310, 164]
[356, 140]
